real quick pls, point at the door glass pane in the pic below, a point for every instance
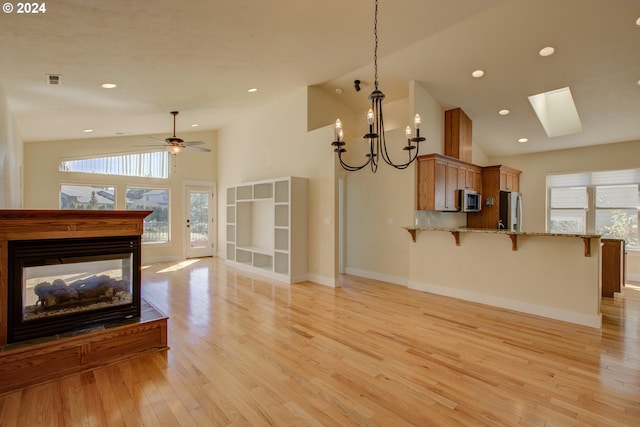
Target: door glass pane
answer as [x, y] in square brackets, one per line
[199, 220]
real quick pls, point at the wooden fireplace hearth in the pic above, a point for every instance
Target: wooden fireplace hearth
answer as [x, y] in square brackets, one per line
[27, 363]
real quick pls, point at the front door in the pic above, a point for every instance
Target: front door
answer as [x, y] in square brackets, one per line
[200, 222]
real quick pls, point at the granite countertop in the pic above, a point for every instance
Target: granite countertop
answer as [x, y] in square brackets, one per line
[495, 231]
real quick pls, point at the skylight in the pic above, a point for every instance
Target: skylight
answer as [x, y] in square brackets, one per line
[557, 112]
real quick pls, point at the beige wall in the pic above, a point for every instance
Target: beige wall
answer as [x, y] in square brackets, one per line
[10, 158]
[546, 276]
[43, 179]
[535, 168]
[273, 142]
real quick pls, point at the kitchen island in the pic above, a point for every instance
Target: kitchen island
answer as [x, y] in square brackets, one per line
[545, 274]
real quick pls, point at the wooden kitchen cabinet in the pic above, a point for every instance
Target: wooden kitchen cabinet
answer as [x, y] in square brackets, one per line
[432, 178]
[494, 179]
[457, 135]
[509, 179]
[470, 177]
[613, 266]
[439, 179]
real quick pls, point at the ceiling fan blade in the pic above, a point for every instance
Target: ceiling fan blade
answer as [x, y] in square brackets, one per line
[191, 147]
[194, 142]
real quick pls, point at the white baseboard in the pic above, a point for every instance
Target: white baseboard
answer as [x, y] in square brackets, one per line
[321, 280]
[161, 259]
[377, 276]
[594, 320]
[633, 277]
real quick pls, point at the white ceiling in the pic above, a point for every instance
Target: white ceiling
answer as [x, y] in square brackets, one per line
[201, 56]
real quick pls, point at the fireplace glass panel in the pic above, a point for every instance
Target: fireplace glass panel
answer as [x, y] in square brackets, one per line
[62, 286]
[67, 285]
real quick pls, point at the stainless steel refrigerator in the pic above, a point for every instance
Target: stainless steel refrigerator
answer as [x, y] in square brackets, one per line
[511, 210]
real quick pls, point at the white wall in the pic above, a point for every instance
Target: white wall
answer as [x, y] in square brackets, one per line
[379, 205]
[273, 142]
[10, 158]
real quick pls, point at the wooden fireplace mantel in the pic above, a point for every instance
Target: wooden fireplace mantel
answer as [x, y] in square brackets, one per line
[24, 224]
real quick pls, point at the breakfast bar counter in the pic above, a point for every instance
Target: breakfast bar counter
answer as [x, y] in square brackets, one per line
[545, 274]
[513, 235]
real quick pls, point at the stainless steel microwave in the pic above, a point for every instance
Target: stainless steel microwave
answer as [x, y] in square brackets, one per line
[470, 201]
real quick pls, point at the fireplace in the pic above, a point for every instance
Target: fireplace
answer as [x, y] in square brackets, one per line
[67, 270]
[71, 278]
[62, 285]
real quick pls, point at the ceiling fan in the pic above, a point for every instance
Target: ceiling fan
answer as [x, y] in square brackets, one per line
[175, 145]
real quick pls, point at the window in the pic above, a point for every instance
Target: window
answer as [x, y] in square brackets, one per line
[605, 203]
[147, 165]
[616, 214]
[567, 213]
[87, 197]
[156, 224]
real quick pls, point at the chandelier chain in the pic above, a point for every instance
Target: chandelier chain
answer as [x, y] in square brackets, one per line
[375, 49]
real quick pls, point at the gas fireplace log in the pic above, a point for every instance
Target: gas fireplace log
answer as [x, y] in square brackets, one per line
[91, 288]
[97, 286]
[50, 294]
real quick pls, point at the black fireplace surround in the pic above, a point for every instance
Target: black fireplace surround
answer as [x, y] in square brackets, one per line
[62, 285]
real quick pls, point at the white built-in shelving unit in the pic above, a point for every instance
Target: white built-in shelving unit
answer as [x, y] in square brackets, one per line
[267, 227]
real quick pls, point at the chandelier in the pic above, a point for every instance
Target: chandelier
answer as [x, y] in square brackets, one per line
[377, 144]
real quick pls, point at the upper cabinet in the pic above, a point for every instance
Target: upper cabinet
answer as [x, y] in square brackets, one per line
[457, 135]
[439, 179]
[509, 179]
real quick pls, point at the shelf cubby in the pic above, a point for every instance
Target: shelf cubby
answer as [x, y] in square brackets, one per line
[263, 191]
[281, 239]
[244, 192]
[231, 233]
[282, 215]
[282, 192]
[231, 251]
[231, 214]
[231, 195]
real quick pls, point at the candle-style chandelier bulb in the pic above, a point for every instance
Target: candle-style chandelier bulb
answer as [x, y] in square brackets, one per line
[370, 116]
[417, 121]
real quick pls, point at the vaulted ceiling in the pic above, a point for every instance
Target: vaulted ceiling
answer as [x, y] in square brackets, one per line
[201, 57]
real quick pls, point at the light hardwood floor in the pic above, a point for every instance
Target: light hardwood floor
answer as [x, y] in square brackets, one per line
[249, 351]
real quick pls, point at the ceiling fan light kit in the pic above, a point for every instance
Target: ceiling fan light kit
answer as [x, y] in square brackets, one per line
[175, 145]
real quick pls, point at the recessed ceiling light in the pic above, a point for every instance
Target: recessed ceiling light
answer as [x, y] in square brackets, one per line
[108, 85]
[477, 73]
[195, 125]
[504, 112]
[252, 90]
[547, 51]
[523, 140]
[638, 22]
[87, 130]
[638, 82]
[339, 90]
